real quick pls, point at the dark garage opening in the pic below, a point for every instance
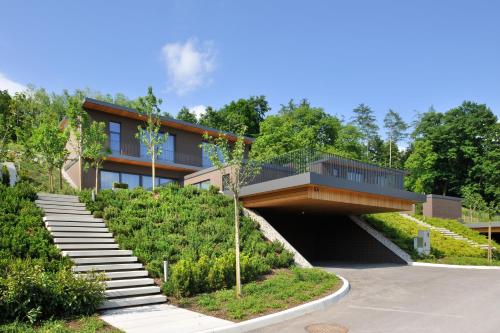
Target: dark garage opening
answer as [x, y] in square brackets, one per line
[327, 237]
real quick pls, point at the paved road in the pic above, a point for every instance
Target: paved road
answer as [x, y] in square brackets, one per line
[409, 299]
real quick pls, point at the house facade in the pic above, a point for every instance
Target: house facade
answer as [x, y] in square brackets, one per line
[129, 163]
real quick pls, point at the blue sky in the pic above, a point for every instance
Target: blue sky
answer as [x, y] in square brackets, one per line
[404, 55]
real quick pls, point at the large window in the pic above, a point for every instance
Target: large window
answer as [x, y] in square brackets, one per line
[167, 149]
[205, 157]
[133, 180]
[204, 185]
[114, 137]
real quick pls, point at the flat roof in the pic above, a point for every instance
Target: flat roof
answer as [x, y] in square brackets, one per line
[95, 104]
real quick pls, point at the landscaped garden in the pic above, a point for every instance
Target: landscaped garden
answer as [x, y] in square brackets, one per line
[37, 287]
[194, 230]
[444, 249]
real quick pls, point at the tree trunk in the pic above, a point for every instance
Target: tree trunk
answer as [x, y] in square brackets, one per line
[51, 181]
[237, 243]
[96, 179]
[390, 153]
[80, 167]
[60, 178]
[153, 157]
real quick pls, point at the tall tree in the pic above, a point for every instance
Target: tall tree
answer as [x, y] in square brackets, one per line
[95, 149]
[150, 136]
[248, 113]
[6, 128]
[296, 126]
[365, 120]
[186, 115]
[396, 130]
[240, 172]
[77, 123]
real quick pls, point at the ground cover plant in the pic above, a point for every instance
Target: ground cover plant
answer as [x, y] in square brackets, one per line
[282, 289]
[457, 227]
[401, 231]
[91, 324]
[192, 229]
[36, 283]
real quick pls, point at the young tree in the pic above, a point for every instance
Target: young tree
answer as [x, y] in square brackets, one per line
[472, 200]
[49, 143]
[95, 149]
[396, 130]
[230, 159]
[150, 136]
[77, 123]
[6, 129]
[365, 121]
[186, 115]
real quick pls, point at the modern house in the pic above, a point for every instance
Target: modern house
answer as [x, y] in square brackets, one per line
[129, 162]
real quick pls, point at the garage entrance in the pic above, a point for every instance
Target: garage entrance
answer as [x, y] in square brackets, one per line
[328, 237]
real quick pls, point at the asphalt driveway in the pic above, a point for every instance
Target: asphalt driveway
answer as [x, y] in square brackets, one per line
[407, 299]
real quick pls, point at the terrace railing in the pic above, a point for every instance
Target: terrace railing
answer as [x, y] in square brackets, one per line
[168, 156]
[327, 164]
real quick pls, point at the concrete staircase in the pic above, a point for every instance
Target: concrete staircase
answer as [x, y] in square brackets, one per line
[446, 232]
[90, 245]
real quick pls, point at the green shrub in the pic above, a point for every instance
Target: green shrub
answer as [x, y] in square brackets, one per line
[5, 175]
[30, 293]
[193, 229]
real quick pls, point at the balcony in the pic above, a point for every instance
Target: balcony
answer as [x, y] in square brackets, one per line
[326, 164]
[168, 159]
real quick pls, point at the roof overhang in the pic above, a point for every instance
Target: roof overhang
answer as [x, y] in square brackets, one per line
[314, 193]
[110, 108]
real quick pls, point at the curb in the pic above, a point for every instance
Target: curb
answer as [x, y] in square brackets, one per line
[426, 264]
[281, 316]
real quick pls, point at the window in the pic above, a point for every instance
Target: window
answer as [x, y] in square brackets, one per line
[355, 176]
[204, 185]
[205, 158]
[108, 178]
[132, 180]
[168, 149]
[114, 137]
[163, 181]
[147, 181]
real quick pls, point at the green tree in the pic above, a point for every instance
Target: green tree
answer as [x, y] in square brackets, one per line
[186, 115]
[473, 200]
[6, 128]
[396, 130]
[230, 160]
[421, 165]
[149, 107]
[49, 143]
[348, 143]
[95, 149]
[247, 113]
[296, 126]
[365, 120]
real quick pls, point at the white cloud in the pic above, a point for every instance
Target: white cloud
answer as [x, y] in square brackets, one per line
[198, 110]
[188, 65]
[11, 86]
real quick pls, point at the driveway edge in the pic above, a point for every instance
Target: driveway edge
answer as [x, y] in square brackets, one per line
[428, 264]
[281, 316]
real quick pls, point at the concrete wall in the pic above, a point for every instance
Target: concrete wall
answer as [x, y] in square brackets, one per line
[443, 207]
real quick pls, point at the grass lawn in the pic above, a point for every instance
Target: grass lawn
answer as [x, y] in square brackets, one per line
[280, 290]
[83, 325]
[444, 250]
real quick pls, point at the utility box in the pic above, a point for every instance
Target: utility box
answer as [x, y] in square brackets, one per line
[422, 243]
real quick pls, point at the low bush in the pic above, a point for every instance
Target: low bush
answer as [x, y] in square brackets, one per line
[5, 175]
[193, 229]
[35, 281]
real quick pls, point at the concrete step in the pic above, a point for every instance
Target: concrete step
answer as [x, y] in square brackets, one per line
[125, 274]
[83, 240]
[57, 195]
[91, 253]
[81, 229]
[62, 207]
[74, 224]
[132, 301]
[106, 267]
[71, 217]
[134, 291]
[104, 260]
[129, 283]
[87, 246]
[59, 203]
[58, 199]
[50, 211]
[82, 234]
